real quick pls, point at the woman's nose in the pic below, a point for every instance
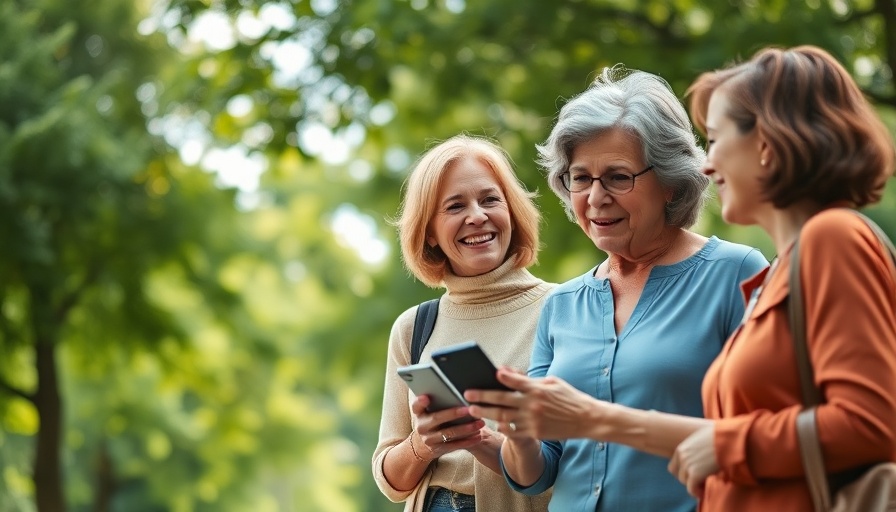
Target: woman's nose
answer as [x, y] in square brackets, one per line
[597, 194]
[476, 215]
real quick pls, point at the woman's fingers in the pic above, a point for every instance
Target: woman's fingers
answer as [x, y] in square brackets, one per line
[544, 408]
[493, 397]
[675, 465]
[461, 431]
[510, 377]
[695, 460]
[460, 442]
[419, 405]
[489, 411]
[446, 415]
[442, 439]
[514, 379]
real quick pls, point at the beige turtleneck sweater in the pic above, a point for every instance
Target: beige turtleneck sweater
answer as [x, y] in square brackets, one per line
[499, 310]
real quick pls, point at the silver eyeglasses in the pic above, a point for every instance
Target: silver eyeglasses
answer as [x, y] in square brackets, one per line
[614, 182]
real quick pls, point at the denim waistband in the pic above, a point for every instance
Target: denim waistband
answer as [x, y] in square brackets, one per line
[449, 498]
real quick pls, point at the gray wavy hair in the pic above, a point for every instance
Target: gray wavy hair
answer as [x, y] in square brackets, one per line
[645, 105]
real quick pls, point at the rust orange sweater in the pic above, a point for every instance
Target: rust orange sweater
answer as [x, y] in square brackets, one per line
[753, 386]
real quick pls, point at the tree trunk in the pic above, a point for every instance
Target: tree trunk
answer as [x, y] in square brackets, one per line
[105, 480]
[47, 467]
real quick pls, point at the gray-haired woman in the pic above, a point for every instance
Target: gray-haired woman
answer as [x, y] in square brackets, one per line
[640, 328]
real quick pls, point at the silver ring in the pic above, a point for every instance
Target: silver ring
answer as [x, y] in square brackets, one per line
[445, 438]
[512, 426]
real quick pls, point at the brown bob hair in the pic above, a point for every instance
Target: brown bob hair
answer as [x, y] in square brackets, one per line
[827, 142]
[421, 195]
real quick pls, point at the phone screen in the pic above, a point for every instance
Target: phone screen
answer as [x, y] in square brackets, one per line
[467, 367]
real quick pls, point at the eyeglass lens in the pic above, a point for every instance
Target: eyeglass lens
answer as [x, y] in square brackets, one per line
[617, 182]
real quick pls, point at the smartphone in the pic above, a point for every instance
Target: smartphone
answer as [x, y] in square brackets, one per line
[425, 379]
[467, 367]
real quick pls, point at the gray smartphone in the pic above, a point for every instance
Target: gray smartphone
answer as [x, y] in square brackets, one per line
[425, 379]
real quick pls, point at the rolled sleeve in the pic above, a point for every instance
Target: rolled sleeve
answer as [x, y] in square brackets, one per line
[731, 441]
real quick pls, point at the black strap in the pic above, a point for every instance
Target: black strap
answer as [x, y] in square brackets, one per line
[423, 326]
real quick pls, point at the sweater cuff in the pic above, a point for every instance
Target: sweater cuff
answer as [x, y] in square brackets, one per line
[394, 495]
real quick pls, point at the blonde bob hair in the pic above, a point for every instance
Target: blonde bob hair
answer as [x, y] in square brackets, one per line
[421, 197]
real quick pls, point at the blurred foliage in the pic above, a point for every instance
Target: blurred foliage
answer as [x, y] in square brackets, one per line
[221, 347]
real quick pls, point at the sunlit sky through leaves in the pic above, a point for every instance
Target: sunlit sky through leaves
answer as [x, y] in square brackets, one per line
[240, 166]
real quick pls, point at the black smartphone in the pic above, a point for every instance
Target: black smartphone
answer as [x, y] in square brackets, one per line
[425, 379]
[467, 367]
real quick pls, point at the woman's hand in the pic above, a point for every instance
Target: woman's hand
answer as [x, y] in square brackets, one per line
[438, 439]
[547, 408]
[695, 460]
[488, 450]
[407, 462]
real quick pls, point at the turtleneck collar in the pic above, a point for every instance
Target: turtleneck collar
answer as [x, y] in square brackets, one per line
[504, 289]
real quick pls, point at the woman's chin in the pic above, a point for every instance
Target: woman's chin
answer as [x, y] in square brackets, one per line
[730, 216]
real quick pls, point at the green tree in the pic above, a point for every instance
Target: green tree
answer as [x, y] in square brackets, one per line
[101, 222]
[70, 156]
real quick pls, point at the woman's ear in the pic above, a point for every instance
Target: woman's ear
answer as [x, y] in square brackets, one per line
[431, 242]
[766, 153]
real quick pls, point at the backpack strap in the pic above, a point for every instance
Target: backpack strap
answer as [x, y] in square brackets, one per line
[423, 326]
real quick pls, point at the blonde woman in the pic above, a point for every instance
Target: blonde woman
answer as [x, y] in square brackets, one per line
[466, 225]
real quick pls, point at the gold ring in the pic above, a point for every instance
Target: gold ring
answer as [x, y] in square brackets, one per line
[445, 438]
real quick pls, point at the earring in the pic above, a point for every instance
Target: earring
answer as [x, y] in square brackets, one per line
[762, 162]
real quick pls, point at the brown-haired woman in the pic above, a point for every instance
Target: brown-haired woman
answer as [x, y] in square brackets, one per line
[468, 225]
[793, 145]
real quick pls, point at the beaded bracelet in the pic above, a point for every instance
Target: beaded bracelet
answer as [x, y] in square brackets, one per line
[414, 451]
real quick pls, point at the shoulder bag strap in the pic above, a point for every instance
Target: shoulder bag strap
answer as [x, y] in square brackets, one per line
[810, 449]
[884, 240]
[796, 314]
[424, 323]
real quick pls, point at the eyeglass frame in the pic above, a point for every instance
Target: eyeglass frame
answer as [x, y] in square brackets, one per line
[598, 179]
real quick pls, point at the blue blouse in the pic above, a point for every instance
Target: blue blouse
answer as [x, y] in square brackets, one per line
[685, 314]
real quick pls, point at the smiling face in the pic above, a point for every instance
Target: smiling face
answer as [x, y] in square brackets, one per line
[472, 224]
[733, 162]
[627, 225]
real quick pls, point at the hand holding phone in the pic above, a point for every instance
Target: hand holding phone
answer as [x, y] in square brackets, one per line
[426, 379]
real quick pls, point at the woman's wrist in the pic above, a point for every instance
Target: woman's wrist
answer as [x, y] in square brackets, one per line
[522, 460]
[521, 445]
[520, 450]
[417, 455]
[599, 421]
